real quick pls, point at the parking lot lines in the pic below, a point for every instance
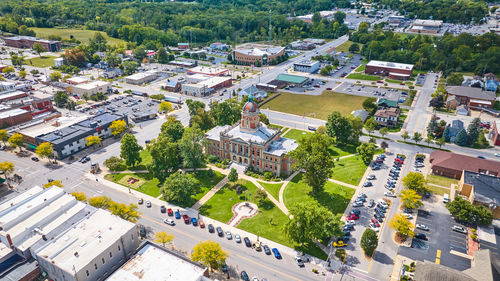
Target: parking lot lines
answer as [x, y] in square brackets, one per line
[438, 256]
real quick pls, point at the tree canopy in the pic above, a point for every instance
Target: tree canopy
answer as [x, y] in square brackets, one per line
[178, 188]
[130, 150]
[209, 254]
[465, 211]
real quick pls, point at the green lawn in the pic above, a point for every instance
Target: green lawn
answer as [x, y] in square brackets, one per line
[393, 81]
[276, 127]
[316, 106]
[44, 61]
[272, 188]
[437, 190]
[344, 47]
[439, 180]
[297, 134]
[150, 185]
[219, 206]
[361, 68]
[360, 76]
[207, 181]
[335, 197]
[349, 170]
[146, 160]
[79, 34]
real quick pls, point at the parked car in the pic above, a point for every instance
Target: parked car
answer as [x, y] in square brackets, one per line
[350, 223]
[407, 216]
[378, 217]
[421, 236]
[347, 227]
[170, 212]
[186, 219]
[219, 231]
[211, 228]
[148, 204]
[299, 261]
[244, 276]
[375, 222]
[339, 244]
[373, 227]
[367, 184]
[177, 215]
[352, 217]
[35, 159]
[371, 203]
[459, 229]
[422, 226]
[390, 194]
[237, 238]
[194, 221]
[169, 221]
[371, 177]
[140, 201]
[163, 209]
[276, 253]
[201, 223]
[266, 250]
[355, 212]
[247, 242]
[358, 204]
[229, 236]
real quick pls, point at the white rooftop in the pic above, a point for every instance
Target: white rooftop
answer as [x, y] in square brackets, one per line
[12, 113]
[91, 85]
[428, 22]
[211, 82]
[7, 95]
[50, 126]
[153, 263]
[378, 63]
[141, 75]
[87, 238]
[282, 146]
[261, 135]
[207, 70]
[77, 80]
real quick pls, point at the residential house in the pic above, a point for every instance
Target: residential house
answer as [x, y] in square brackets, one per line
[387, 117]
[481, 189]
[386, 103]
[491, 82]
[361, 113]
[183, 46]
[452, 102]
[456, 126]
[253, 90]
[452, 165]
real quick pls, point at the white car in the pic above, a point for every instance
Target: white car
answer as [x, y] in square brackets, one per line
[459, 229]
[371, 177]
[383, 204]
[390, 194]
[374, 228]
[497, 154]
[407, 216]
[148, 204]
[422, 226]
[350, 222]
[169, 221]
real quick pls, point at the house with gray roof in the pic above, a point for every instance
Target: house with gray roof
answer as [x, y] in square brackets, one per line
[474, 98]
[257, 93]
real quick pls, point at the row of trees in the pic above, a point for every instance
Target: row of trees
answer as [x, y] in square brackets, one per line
[124, 211]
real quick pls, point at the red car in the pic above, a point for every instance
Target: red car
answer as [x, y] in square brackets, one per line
[170, 212]
[402, 84]
[186, 219]
[375, 222]
[202, 224]
[380, 81]
[398, 160]
[328, 89]
[352, 217]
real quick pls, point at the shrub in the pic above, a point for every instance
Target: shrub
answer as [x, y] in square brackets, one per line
[212, 159]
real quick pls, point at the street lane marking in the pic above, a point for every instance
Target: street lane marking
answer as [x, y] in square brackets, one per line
[438, 261]
[438, 253]
[234, 254]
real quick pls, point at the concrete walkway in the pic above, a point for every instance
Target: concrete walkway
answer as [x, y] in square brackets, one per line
[210, 193]
[343, 183]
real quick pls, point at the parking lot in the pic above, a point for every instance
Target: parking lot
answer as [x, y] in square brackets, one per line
[441, 239]
[368, 91]
[346, 65]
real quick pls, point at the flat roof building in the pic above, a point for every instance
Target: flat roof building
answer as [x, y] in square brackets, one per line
[141, 77]
[91, 88]
[401, 71]
[426, 26]
[152, 262]
[206, 87]
[77, 80]
[207, 70]
[472, 97]
[481, 189]
[27, 42]
[258, 55]
[292, 79]
[306, 66]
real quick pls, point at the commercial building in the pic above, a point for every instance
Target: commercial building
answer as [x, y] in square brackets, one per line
[11, 117]
[452, 165]
[18, 107]
[172, 85]
[141, 77]
[289, 79]
[393, 70]
[68, 137]
[306, 66]
[481, 189]
[152, 262]
[302, 45]
[183, 46]
[91, 88]
[258, 55]
[77, 80]
[387, 117]
[426, 26]
[251, 143]
[475, 98]
[219, 46]
[209, 71]
[207, 86]
[70, 240]
[27, 42]
[182, 63]
[396, 21]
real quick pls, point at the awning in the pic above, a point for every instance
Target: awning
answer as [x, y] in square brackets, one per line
[480, 101]
[399, 74]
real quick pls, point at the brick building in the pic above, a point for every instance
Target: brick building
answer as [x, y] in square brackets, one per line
[393, 70]
[474, 98]
[261, 56]
[452, 165]
[251, 143]
[27, 42]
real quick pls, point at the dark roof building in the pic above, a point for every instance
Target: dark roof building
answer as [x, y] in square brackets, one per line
[27, 42]
[386, 103]
[481, 189]
[452, 165]
[472, 97]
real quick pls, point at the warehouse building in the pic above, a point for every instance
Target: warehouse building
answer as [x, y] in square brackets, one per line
[142, 77]
[393, 70]
[27, 42]
[91, 88]
[209, 71]
[206, 87]
[306, 66]
[426, 26]
[289, 79]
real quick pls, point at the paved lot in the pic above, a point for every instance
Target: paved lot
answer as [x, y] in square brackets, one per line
[440, 237]
[347, 65]
[368, 91]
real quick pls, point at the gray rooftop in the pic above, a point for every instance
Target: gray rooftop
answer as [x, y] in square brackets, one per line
[473, 93]
[214, 133]
[281, 146]
[486, 187]
[261, 135]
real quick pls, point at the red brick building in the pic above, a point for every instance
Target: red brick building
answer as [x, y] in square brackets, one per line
[27, 42]
[475, 98]
[393, 70]
[452, 165]
[251, 143]
[263, 56]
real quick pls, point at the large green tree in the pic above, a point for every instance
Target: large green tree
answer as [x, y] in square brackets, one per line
[369, 242]
[172, 128]
[130, 150]
[191, 148]
[414, 181]
[465, 211]
[313, 156]
[473, 131]
[178, 188]
[366, 151]
[165, 156]
[338, 127]
[311, 221]
[455, 79]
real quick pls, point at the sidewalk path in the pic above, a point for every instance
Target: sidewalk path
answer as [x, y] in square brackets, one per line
[343, 183]
[210, 193]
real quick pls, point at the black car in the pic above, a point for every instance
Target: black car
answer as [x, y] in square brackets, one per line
[35, 159]
[345, 239]
[347, 227]
[219, 231]
[163, 209]
[211, 228]
[143, 231]
[355, 212]
[247, 242]
[224, 267]
[347, 233]
[421, 236]
[380, 213]
[266, 250]
[244, 276]
[379, 218]
[380, 210]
